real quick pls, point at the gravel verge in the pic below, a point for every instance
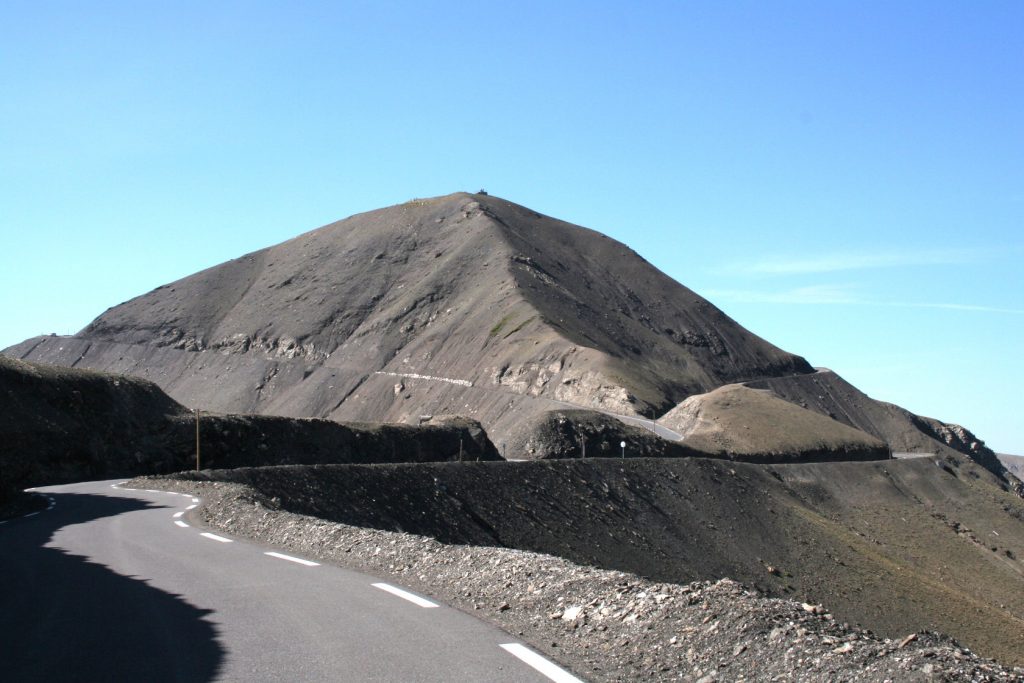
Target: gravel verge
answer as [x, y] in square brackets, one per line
[604, 625]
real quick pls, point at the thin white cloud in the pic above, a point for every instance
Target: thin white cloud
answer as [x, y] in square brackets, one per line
[854, 260]
[836, 295]
[958, 307]
[814, 294]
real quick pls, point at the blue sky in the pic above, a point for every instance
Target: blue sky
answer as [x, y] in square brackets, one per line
[845, 179]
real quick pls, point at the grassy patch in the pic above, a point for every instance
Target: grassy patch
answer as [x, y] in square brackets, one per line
[519, 326]
[500, 324]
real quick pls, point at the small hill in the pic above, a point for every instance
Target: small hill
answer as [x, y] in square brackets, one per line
[738, 420]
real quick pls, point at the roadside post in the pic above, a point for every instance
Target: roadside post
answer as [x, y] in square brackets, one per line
[197, 439]
[623, 444]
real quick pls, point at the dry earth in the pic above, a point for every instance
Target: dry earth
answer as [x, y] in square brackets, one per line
[896, 546]
[606, 625]
[66, 424]
[736, 420]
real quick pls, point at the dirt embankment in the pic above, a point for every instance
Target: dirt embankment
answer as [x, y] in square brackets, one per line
[560, 434]
[62, 424]
[741, 435]
[896, 546]
[605, 625]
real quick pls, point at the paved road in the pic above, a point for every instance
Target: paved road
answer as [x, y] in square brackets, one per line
[115, 585]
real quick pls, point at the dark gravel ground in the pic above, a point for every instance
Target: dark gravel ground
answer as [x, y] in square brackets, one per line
[605, 625]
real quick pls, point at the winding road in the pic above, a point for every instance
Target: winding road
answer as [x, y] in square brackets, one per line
[112, 584]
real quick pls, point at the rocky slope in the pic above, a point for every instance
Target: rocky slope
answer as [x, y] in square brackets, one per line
[603, 624]
[827, 393]
[1014, 464]
[61, 424]
[460, 304]
[896, 546]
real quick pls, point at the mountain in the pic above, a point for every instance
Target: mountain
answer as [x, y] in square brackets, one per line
[462, 304]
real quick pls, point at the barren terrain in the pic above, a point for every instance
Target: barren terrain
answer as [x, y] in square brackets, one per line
[896, 546]
[463, 304]
[679, 620]
[62, 425]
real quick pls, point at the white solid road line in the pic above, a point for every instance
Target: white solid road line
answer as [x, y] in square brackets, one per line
[549, 669]
[299, 560]
[215, 537]
[181, 524]
[178, 514]
[415, 599]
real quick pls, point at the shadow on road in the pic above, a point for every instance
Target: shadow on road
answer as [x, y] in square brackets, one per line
[65, 618]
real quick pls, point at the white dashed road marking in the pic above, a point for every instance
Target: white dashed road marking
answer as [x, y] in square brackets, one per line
[299, 560]
[549, 669]
[181, 524]
[178, 514]
[406, 595]
[190, 507]
[215, 537]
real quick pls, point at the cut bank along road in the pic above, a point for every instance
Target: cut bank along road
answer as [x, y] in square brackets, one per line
[115, 585]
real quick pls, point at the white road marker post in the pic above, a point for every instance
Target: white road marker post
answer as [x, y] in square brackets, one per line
[623, 444]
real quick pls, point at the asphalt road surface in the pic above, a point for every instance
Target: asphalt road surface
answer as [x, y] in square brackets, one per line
[115, 585]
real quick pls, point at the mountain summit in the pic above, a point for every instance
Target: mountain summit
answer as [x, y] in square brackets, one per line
[462, 304]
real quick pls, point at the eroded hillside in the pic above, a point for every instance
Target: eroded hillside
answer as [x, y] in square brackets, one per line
[461, 304]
